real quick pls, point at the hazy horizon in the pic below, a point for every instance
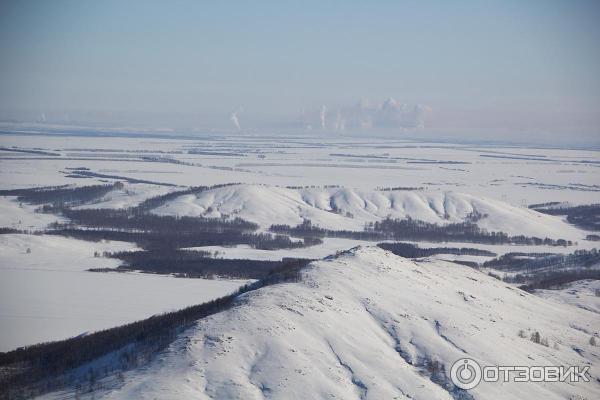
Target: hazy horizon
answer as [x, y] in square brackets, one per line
[513, 71]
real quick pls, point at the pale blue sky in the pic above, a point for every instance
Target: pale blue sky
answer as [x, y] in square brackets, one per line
[481, 67]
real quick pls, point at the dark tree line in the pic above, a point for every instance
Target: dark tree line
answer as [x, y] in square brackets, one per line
[34, 370]
[554, 279]
[28, 151]
[59, 196]
[543, 205]
[195, 264]
[399, 188]
[306, 229]
[410, 229]
[6, 230]
[410, 250]
[89, 174]
[173, 240]
[458, 232]
[547, 270]
[133, 219]
[585, 216]
[216, 153]
[19, 192]
[532, 262]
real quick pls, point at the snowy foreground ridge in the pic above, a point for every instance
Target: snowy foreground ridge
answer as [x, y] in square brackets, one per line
[371, 325]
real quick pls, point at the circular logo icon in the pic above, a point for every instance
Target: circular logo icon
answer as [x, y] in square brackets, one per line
[465, 373]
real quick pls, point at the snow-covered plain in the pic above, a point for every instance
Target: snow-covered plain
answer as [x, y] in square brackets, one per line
[517, 175]
[47, 294]
[366, 326]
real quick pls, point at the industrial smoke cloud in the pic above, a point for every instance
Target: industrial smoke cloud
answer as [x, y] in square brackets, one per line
[390, 114]
[235, 120]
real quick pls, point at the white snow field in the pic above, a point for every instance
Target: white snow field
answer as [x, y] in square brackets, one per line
[368, 325]
[22, 216]
[344, 208]
[47, 294]
[517, 175]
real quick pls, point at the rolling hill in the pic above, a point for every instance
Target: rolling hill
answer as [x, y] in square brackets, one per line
[371, 325]
[345, 208]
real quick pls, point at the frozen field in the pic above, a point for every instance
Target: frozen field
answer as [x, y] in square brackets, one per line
[518, 176]
[47, 294]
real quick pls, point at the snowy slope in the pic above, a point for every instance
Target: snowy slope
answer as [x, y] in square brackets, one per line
[268, 205]
[363, 326]
[580, 294]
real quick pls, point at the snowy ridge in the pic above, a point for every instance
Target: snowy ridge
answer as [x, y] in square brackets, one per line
[370, 325]
[345, 208]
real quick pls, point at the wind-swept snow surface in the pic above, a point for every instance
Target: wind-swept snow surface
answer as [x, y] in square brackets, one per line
[345, 208]
[371, 325]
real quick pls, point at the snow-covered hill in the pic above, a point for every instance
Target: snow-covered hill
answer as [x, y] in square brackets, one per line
[371, 325]
[344, 208]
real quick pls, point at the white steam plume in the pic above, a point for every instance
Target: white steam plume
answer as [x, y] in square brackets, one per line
[235, 120]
